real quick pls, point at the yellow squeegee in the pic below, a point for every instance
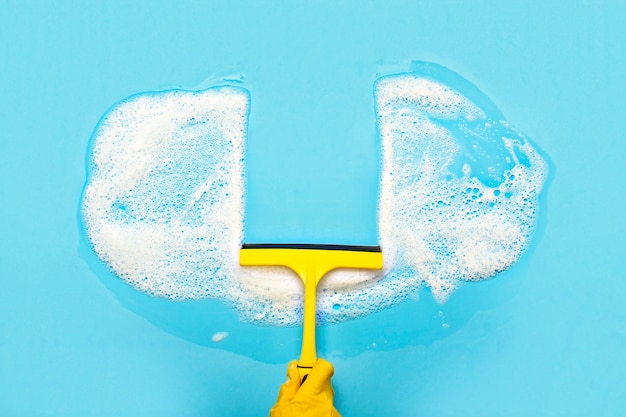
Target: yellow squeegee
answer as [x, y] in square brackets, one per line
[311, 262]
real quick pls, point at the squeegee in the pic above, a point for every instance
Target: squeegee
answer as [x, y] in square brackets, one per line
[310, 262]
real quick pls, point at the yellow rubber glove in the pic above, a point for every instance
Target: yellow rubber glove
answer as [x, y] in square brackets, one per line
[313, 398]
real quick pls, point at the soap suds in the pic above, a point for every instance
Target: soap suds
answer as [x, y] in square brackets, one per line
[219, 337]
[163, 206]
[442, 224]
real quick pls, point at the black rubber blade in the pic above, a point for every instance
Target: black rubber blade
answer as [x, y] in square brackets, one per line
[355, 248]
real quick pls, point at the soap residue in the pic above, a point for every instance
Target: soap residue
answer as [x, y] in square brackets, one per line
[163, 205]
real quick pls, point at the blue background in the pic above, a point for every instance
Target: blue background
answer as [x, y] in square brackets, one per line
[548, 338]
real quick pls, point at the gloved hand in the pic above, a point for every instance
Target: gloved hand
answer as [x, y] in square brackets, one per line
[313, 398]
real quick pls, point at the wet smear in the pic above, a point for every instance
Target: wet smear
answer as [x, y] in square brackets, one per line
[163, 205]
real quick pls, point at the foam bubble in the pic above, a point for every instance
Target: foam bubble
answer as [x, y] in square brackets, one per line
[219, 337]
[163, 206]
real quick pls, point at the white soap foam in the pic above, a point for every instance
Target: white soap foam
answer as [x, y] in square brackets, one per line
[163, 206]
[164, 202]
[219, 337]
[446, 228]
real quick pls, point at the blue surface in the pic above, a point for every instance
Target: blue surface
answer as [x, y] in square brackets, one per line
[546, 338]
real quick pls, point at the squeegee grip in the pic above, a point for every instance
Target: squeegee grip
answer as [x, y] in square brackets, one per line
[308, 355]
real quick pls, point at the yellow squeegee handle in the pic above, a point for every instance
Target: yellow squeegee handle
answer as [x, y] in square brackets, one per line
[318, 263]
[308, 355]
